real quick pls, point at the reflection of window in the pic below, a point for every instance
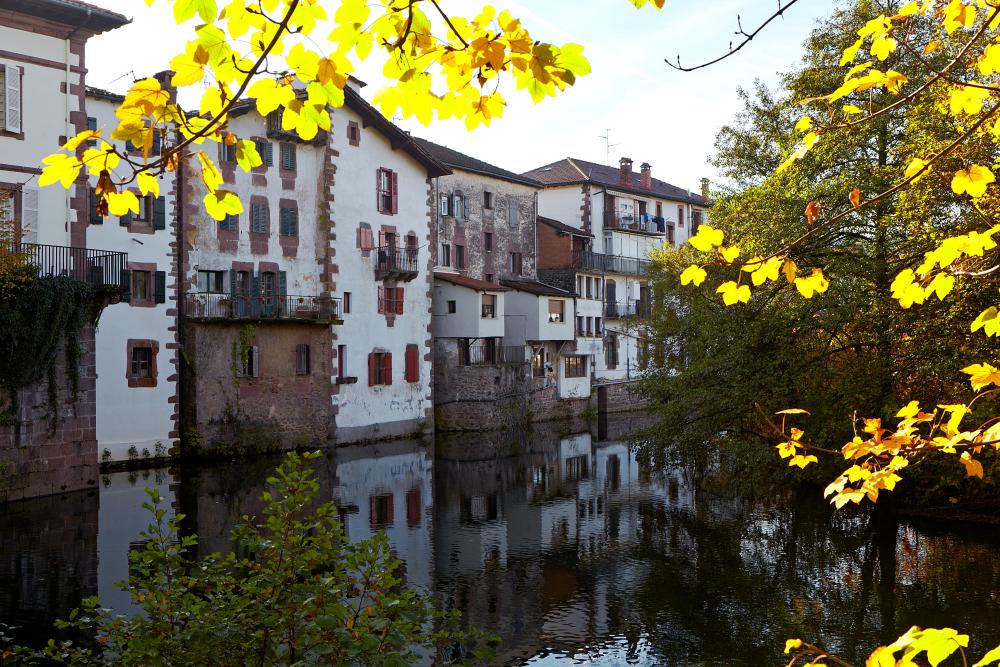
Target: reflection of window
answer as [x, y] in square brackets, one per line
[6, 206]
[576, 467]
[413, 508]
[576, 366]
[557, 310]
[381, 510]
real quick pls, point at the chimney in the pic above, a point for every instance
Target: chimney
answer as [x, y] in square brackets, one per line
[165, 78]
[704, 189]
[625, 171]
[647, 176]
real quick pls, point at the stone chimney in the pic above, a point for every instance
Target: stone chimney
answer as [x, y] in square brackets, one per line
[164, 78]
[704, 189]
[647, 176]
[625, 171]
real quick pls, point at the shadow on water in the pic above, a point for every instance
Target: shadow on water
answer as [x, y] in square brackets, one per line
[560, 543]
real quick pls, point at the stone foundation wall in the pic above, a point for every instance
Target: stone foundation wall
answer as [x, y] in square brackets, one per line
[623, 397]
[53, 453]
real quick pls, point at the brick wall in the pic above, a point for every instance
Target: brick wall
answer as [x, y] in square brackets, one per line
[41, 457]
[555, 249]
[279, 409]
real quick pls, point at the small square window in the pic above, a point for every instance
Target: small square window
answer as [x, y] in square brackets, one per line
[353, 133]
[459, 256]
[452, 307]
[141, 284]
[142, 363]
[445, 259]
[211, 282]
[487, 199]
[488, 241]
[302, 361]
[347, 302]
[490, 278]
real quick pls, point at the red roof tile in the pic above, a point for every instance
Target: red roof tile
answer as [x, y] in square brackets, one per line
[471, 283]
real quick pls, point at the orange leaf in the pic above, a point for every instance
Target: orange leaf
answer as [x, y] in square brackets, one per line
[855, 197]
[812, 210]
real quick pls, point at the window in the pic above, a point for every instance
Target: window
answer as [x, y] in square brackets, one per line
[390, 300]
[258, 217]
[576, 366]
[680, 216]
[353, 133]
[141, 284]
[289, 221]
[579, 285]
[445, 209]
[250, 362]
[670, 233]
[490, 278]
[387, 199]
[10, 98]
[458, 207]
[211, 281]
[452, 307]
[557, 310]
[92, 126]
[659, 209]
[579, 325]
[341, 363]
[445, 255]
[142, 363]
[274, 120]
[611, 352]
[381, 510]
[590, 287]
[514, 263]
[265, 151]
[695, 221]
[7, 207]
[145, 209]
[230, 223]
[590, 327]
[488, 241]
[490, 306]
[288, 158]
[512, 213]
[379, 368]
[597, 327]
[459, 256]
[227, 152]
[412, 372]
[302, 365]
[347, 302]
[487, 199]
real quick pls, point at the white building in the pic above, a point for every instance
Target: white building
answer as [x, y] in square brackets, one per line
[599, 228]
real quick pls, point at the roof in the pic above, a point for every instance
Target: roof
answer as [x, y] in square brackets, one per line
[570, 171]
[101, 94]
[535, 287]
[563, 227]
[471, 283]
[463, 162]
[80, 15]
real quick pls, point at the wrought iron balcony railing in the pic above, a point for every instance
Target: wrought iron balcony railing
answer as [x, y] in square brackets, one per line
[396, 262]
[101, 268]
[621, 310]
[493, 355]
[220, 306]
[594, 261]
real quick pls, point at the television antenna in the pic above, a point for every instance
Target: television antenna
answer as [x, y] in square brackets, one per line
[608, 145]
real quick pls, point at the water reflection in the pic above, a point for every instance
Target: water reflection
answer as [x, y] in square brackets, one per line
[561, 544]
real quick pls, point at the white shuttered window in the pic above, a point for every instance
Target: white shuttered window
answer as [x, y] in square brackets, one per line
[10, 89]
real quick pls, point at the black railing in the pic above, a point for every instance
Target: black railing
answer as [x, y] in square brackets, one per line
[217, 306]
[396, 262]
[101, 268]
[594, 261]
[631, 308]
[492, 355]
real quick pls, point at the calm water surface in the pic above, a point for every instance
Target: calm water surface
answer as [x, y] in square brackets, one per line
[561, 544]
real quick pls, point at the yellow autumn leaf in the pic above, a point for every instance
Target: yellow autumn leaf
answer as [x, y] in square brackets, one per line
[60, 168]
[909, 410]
[148, 183]
[790, 270]
[959, 15]
[802, 461]
[804, 124]
[221, 203]
[729, 254]
[816, 283]
[120, 203]
[972, 181]
[792, 643]
[733, 293]
[941, 285]
[982, 375]
[915, 167]
[693, 274]
[989, 658]
[247, 156]
[706, 238]
[988, 321]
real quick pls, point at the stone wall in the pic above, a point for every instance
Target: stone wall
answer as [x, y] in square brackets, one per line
[278, 409]
[622, 397]
[53, 453]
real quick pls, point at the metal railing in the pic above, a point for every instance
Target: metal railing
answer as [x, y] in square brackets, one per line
[217, 306]
[396, 262]
[101, 268]
[492, 355]
[631, 308]
[651, 224]
[594, 261]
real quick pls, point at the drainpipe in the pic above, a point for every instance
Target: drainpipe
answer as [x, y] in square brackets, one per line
[179, 322]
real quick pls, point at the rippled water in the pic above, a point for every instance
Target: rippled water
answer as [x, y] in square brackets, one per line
[562, 545]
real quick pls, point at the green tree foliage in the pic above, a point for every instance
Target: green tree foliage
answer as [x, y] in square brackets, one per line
[292, 591]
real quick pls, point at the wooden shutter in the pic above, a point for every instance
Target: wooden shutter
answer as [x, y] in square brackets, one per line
[381, 299]
[157, 143]
[387, 357]
[288, 162]
[445, 205]
[125, 220]
[371, 369]
[160, 213]
[160, 287]
[378, 190]
[269, 150]
[282, 291]
[126, 283]
[255, 357]
[381, 239]
[399, 300]
[94, 218]
[412, 363]
[232, 285]
[395, 197]
[12, 98]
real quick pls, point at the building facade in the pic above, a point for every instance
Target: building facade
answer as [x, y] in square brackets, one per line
[598, 228]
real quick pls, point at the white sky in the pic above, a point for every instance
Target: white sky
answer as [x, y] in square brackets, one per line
[655, 114]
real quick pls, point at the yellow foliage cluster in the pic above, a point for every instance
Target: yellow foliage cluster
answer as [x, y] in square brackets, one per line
[934, 644]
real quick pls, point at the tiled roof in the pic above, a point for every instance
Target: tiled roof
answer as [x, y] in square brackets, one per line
[535, 287]
[83, 15]
[464, 162]
[101, 94]
[471, 283]
[563, 227]
[569, 171]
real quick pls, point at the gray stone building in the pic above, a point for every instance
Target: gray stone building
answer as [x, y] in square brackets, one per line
[499, 333]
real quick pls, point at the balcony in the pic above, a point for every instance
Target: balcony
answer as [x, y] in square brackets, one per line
[493, 355]
[396, 263]
[596, 262]
[624, 310]
[291, 308]
[642, 223]
[102, 269]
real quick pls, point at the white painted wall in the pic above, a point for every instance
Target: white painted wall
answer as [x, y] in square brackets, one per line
[467, 320]
[527, 318]
[137, 417]
[574, 387]
[365, 329]
[563, 204]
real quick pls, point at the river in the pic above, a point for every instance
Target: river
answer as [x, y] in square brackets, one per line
[559, 543]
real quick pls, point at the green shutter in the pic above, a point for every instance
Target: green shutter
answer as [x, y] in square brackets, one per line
[160, 213]
[160, 287]
[125, 220]
[126, 285]
[94, 218]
